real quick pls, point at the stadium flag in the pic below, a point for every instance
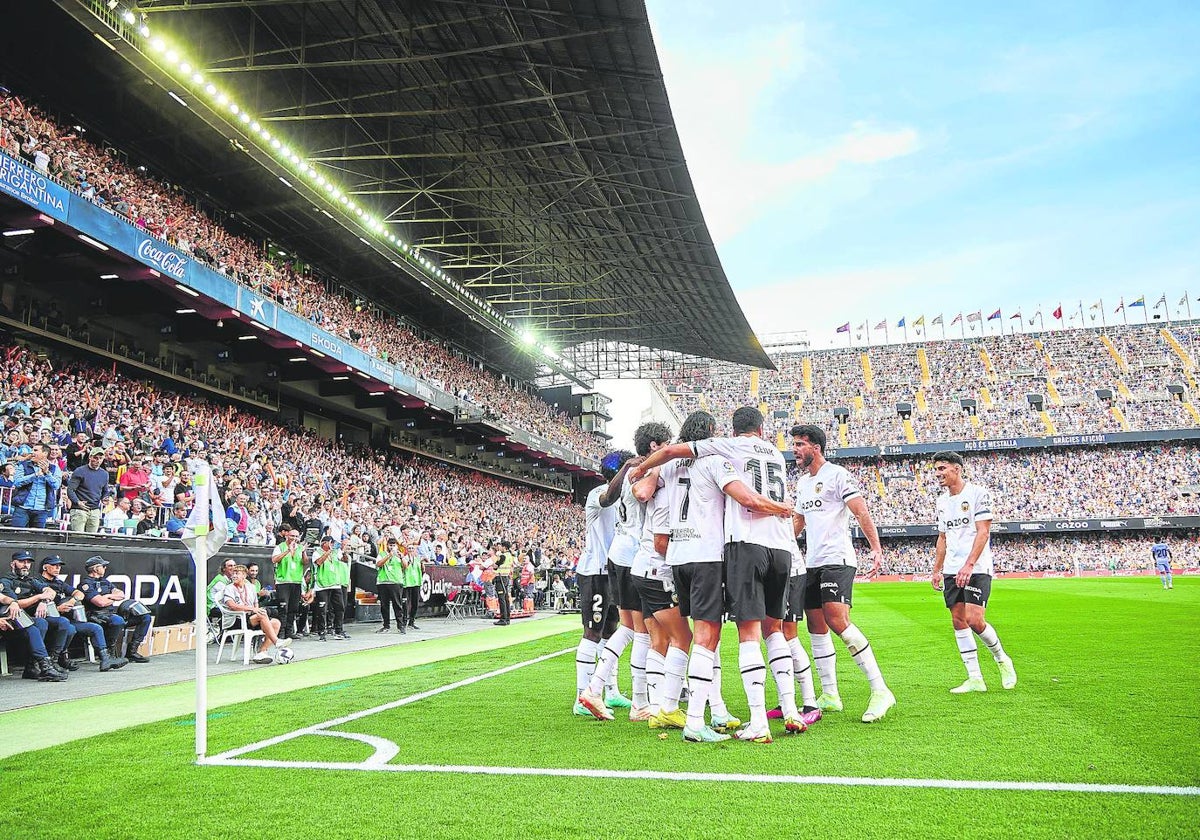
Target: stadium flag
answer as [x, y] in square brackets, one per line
[844, 327]
[882, 325]
[975, 316]
[994, 316]
[203, 534]
[1057, 313]
[920, 322]
[900, 323]
[1037, 316]
[1183, 299]
[1098, 306]
[1139, 302]
[957, 318]
[1120, 307]
[1162, 301]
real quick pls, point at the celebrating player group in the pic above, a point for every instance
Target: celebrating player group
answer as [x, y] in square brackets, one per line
[706, 529]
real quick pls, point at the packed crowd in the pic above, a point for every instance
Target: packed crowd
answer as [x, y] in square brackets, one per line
[163, 210]
[1067, 554]
[137, 437]
[996, 372]
[1068, 483]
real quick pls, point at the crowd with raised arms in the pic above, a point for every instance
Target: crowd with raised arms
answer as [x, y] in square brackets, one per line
[140, 435]
[996, 372]
[101, 175]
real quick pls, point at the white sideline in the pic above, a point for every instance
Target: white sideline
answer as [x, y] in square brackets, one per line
[395, 704]
[231, 758]
[659, 775]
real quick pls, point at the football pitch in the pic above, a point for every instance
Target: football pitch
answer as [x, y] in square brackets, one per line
[1098, 739]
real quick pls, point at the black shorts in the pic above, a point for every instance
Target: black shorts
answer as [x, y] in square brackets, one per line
[795, 600]
[977, 591]
[829, 585]
[701, 590]
[621, 589]
[657, 594]
[756, 581]
[594, 601]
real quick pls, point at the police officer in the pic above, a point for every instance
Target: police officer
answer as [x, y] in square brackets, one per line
[67, 600]
[101, 600]
[44, 632]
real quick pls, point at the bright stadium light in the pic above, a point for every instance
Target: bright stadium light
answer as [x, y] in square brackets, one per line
[528, 337]
[210, 89]
[129, 17]
[144, 31]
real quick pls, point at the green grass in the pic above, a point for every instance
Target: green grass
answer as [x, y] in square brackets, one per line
[1108, 682]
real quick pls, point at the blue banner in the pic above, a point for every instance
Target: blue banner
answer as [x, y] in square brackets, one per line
[30, 186]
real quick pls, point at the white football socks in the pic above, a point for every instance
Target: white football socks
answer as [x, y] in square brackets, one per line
[754, 680]
[700, 678]
[676, 671]
[969, 652]
[656, 674]
[779, 658]
[637, 668]
[802, 668]
[585, 663]
[609, 656]
[864, 657]
[825, 658]
[716, 700]
[989, 638]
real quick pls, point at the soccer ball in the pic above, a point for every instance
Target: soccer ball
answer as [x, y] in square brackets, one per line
[285, 655]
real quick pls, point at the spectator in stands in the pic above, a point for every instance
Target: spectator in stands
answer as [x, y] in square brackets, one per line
[36, 485]
[135, 481]
[177, 522]
[119, 518]
[85, 491]
[8, 471]
[112, 609]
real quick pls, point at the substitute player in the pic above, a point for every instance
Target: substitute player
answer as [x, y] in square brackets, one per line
[826, 495]
[599, 614]
[1162, 563]
[963, 568]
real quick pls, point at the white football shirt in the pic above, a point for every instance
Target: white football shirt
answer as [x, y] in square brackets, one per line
[696, 503]
[600, 522]
[956, 517]
[648, 562]
[821, 500]
[630, 516]
[762, 468]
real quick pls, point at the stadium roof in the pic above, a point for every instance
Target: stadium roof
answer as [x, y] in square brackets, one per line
[528, 147]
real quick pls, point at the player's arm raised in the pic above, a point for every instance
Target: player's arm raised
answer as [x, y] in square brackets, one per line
[858, 507]
[646, 486]
[659, 457]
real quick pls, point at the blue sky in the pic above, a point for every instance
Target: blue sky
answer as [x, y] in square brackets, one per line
[862, 161]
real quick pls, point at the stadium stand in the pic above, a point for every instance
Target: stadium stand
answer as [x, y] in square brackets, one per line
[353, 490]
[102, 176]
[1112, 379]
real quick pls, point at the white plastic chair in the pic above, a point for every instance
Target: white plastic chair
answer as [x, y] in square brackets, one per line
[241, 633]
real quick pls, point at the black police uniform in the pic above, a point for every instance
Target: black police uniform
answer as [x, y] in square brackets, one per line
[91, 630]
[107, 617]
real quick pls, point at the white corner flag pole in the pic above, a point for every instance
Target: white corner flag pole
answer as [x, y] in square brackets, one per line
[204, 534]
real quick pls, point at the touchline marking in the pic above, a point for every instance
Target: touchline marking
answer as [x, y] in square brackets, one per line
[658, 775]
[315, 729]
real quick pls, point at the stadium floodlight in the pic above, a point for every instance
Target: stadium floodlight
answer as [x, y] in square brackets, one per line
[198, 78]
[528, 337]
[21, 232]
[94, 243]
[222, 99]
[129, 17]
[144, 31]
[262, 327]
[109, 277]
[158, 45]
[245, 118]
[185, 311]
[233, 108]
[186, 290]
[185, 68]
[298, 359]
[254, 126]
[210, 89]
[247, 338]
[340, 378]
[172, 56]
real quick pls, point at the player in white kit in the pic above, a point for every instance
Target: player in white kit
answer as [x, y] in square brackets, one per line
[826, 496]
[696, 491]
[621, 553]
[599, 614]
[963, 569]
[758, 561]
